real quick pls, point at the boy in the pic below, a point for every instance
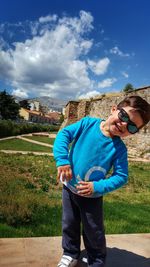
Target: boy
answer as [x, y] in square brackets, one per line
[97, 146]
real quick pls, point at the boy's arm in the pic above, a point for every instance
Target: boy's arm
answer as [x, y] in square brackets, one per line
[118, 178]
[61, 147]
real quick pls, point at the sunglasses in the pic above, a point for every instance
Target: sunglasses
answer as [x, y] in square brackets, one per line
[124, 117]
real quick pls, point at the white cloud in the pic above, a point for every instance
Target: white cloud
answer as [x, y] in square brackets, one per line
[107, 82]
[116, 51]
[34, 26]
[48, 18]
[49, 63]
[52, 60]
[3, 43]
[80, 25]
[99, 67]
[125, 74]
[20, 93]
[6, 65]
[89, 94]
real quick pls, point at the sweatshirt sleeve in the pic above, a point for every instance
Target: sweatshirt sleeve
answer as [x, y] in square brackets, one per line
[119, 176]
[63, 139]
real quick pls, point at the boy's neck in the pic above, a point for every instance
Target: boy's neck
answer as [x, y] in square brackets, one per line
[105, 129]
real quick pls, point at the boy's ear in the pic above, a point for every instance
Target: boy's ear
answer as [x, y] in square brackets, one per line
[113, 109]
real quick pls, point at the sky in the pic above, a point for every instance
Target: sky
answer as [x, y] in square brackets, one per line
[73, 49]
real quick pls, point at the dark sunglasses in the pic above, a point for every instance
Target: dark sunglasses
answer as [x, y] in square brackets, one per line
[124, 117]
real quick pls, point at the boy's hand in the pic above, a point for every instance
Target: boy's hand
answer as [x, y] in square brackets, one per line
[65, 171]
[85, 188]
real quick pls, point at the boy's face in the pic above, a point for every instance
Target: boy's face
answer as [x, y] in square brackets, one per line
[117, 127]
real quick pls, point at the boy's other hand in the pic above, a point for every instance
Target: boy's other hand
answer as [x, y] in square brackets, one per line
[85, 188]
[65, 172]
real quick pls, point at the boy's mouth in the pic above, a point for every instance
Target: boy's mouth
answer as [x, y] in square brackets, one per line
[119, 128]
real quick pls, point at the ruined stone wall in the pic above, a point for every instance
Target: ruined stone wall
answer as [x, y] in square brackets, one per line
[101, 107]
[138, 144]
[83, 109]
[71, 113]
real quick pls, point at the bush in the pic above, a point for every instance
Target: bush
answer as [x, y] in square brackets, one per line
[10, 128]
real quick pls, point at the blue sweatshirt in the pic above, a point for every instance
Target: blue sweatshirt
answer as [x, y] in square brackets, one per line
[91, 156]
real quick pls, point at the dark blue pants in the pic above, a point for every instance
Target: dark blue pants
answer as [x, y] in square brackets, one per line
[89, 212]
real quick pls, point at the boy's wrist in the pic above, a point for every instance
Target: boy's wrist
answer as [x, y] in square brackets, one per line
[62, 162]
[98, 187]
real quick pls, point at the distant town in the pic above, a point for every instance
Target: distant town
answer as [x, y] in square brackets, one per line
[34, 112]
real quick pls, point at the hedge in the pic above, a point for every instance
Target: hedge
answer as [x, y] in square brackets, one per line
[11, 128]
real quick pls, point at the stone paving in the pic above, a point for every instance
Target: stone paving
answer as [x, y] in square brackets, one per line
[26, 152]
[33, 141]
[127, 250]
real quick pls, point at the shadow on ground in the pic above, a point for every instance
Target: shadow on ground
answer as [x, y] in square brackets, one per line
[119, 258]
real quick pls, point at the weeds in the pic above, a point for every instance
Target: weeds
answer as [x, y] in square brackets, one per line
[31, 200]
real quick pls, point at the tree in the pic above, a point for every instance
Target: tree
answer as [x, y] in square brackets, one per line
[128, 88]
[61, 118]
[9, 109]
[24, 104]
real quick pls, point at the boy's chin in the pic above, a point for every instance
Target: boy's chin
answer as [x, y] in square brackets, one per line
[119, 134]
[114, 132]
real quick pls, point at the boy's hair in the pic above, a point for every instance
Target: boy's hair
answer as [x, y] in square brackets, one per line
[139, 104]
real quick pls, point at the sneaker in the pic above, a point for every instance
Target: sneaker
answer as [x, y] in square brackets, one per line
[67, 261]
[84, 260]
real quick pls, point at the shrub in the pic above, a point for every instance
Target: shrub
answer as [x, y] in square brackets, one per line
[10, 128]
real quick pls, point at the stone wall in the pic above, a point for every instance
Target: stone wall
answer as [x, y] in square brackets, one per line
[101, 107]
[138, 144]
[71, 113]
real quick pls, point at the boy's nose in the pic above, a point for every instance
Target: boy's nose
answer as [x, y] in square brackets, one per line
[124, 123]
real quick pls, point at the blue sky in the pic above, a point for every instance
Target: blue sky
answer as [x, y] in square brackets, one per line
[73, 49]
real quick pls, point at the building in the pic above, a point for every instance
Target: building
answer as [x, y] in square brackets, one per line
[38, 117]
[34, 105]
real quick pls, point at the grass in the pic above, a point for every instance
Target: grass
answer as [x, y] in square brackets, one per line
[31, 202]
[127, 210]
[42, 139]
[21, 145]
[29, 205]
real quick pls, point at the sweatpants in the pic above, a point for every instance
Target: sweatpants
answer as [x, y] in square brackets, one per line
[87, 212]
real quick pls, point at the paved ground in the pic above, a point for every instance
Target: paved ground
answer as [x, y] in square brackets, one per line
[53, 135]
[33, 141]
[26, 152]
[123, 251]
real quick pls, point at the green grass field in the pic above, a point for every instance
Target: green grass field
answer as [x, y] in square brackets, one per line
[21, 145]
[31, 202]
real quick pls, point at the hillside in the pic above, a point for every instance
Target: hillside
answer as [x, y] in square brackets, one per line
[51, 103]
